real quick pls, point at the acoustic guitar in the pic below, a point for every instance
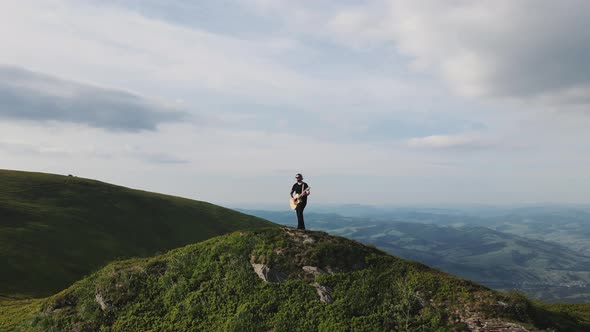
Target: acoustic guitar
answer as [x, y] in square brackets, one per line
[297, 198]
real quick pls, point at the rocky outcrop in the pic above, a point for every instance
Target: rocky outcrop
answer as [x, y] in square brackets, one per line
[104, 306]
[299, 235]
[478, 324]
[268, 274]
[323, 292]
[313, 270]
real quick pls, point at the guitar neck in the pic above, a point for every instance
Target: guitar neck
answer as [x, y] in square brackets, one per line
[305, 190]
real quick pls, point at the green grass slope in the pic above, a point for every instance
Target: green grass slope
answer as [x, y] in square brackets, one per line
[56, 229]
[306, 281]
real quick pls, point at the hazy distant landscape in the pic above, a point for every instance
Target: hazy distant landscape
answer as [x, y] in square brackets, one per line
[542, 251]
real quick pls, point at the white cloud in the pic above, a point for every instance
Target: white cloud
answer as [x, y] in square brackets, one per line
[26, 95]
[533, 50]
[121, 49]
[467, 141]
[100, 44]
[521, 49]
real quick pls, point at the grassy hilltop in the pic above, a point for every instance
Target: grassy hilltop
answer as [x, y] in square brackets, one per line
[56, 229]
[281, 279]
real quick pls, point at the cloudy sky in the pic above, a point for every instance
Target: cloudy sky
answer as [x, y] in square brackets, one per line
[375, 102]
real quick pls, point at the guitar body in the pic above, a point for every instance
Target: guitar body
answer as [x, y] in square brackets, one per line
[295, 201]
[297, 198]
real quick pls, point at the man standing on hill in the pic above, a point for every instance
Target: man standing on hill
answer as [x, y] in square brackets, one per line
[302, 189]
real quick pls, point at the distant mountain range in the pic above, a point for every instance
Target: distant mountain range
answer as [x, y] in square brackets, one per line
[542, 269]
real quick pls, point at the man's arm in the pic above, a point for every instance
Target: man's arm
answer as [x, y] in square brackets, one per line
[306, 191]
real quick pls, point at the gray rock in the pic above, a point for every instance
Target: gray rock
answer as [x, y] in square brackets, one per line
[268, 274]
[494, 325]
[104, 306]
[313, 270]
[323, 293]
[299, 235]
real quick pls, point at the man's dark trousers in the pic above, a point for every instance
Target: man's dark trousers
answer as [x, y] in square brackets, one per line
[299, 209]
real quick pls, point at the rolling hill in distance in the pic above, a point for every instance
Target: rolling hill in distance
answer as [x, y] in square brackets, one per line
[56, 229]
[545, 270]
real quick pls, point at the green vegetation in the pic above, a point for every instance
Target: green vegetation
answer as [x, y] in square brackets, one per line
[564, 316]
[12, 312]
[326, 283]
[56, 229]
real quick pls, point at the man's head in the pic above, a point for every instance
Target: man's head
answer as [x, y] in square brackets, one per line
[298, 177]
